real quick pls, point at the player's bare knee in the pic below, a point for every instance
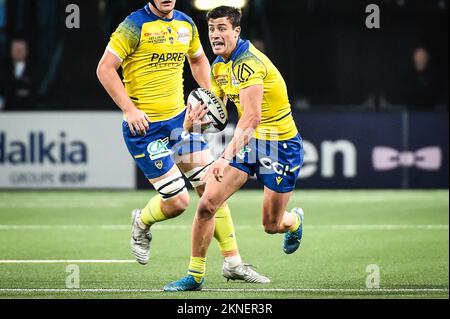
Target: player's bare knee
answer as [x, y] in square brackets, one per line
[174, 194]
[179, 204]
[207, 208]
[183, 201]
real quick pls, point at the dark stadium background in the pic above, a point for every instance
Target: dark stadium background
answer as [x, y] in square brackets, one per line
[322, 48]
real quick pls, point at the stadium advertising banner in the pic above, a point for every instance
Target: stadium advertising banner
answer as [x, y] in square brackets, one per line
[369, 150]
[64, 150]
[375, 150]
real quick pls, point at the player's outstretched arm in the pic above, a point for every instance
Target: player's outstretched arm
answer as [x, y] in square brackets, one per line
[109, 78]
[201, 71]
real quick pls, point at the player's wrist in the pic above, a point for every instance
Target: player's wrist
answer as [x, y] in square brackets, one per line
[229, 160]
[130, 109]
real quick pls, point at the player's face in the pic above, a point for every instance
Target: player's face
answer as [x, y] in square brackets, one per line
[222, 36]
[165, 6]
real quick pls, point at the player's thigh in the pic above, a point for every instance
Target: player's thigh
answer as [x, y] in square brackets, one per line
[200, 158]
[172, 188]
[274, 206]
[216, 193]
[194, 166]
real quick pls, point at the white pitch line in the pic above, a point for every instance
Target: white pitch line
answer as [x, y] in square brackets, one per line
[380, 227]
[68, 261]
[330, 290]
[63, 227]
[59, 205]
[239, 227]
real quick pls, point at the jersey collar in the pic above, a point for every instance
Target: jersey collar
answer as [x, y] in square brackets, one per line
[241, 46]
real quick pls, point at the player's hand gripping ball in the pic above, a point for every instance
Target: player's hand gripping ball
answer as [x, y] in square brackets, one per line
[216, 118]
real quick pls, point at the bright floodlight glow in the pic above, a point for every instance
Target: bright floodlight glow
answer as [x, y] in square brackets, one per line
[206, 5]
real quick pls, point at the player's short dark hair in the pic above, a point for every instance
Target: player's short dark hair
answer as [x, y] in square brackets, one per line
[233, 14]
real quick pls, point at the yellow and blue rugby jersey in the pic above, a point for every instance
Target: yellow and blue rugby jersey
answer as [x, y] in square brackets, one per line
[246, 67]
[153, 51]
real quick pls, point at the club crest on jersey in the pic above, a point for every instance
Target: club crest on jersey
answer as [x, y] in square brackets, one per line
[158, 149]
[159, 164]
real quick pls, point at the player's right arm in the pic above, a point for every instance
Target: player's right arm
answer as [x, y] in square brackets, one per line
[124, 42]
[110, 79]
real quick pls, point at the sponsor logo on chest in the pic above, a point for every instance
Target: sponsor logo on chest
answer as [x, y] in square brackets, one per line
[183, 35]
[168, 35]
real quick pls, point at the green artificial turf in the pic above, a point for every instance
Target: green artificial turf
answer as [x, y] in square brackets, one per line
[404, 233]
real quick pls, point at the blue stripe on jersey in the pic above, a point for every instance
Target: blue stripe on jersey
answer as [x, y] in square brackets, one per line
[140, 17]
[178, 15]
[242, 46]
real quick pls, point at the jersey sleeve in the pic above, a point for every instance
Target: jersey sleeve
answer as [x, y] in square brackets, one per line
[125, 39]
[195, 47]
[249, 71]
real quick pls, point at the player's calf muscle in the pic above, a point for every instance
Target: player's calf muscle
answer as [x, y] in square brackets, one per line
[271, 227]
[176, 206]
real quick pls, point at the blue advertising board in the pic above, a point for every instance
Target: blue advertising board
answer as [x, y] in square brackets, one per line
[368, 150]
[374, 150]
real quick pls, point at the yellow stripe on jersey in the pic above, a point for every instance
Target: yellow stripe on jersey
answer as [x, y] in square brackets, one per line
[153, 52]
[247, 67]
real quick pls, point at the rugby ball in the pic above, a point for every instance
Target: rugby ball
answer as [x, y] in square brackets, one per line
[217, 111]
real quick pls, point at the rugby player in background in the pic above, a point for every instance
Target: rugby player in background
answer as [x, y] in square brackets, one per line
[151, 46]
[266, 143]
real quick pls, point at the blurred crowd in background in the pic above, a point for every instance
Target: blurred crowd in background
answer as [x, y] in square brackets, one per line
[330, 60]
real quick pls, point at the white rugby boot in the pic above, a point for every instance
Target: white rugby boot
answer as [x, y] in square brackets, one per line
[140, 239]
[243, 272]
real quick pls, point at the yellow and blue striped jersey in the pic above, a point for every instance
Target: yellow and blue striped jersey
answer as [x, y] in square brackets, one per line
[246, 67]
[153, 52]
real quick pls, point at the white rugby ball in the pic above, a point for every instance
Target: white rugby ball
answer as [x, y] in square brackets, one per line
[217, 111]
